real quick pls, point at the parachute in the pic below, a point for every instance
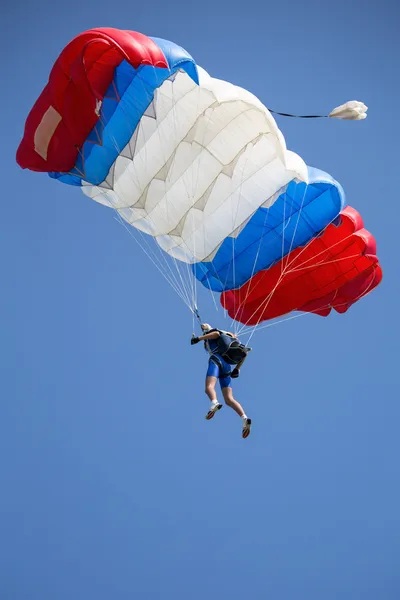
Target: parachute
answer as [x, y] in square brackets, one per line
[199, 166]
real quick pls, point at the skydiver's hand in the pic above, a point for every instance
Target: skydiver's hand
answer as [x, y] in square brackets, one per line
[194, 340]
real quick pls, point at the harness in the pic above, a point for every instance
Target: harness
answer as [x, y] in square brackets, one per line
[230, 349]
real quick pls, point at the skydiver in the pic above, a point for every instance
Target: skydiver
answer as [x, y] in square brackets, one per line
[218, 368]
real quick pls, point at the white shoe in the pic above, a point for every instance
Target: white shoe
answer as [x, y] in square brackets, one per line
[246, 428]
[214, 407]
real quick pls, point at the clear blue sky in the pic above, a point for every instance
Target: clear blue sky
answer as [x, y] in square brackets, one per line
[112, 484]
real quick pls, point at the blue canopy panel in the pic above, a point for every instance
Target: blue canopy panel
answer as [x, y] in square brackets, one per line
[127, 98]
[299, 214]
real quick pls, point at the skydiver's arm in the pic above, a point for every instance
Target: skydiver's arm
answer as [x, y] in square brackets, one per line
[208, 336]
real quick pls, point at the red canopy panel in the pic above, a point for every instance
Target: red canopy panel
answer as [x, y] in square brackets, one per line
[68, 108]
[333, 270]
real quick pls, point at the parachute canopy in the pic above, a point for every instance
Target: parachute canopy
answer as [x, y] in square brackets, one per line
[199, 165]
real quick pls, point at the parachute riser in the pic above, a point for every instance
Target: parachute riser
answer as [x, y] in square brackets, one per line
[196, 313]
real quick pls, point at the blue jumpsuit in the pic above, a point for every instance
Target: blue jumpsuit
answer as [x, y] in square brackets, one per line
[217, 366]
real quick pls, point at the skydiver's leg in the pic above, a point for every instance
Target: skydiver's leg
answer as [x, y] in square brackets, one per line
[230, 401]
[210, 388]
[211, 381]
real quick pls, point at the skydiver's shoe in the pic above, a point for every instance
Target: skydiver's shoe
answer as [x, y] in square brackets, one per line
[246, 428]
[215, 406]
[235, 373]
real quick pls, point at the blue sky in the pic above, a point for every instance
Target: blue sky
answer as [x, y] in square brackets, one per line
[112, 483]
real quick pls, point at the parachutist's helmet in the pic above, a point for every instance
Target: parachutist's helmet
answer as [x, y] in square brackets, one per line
[205, 327]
